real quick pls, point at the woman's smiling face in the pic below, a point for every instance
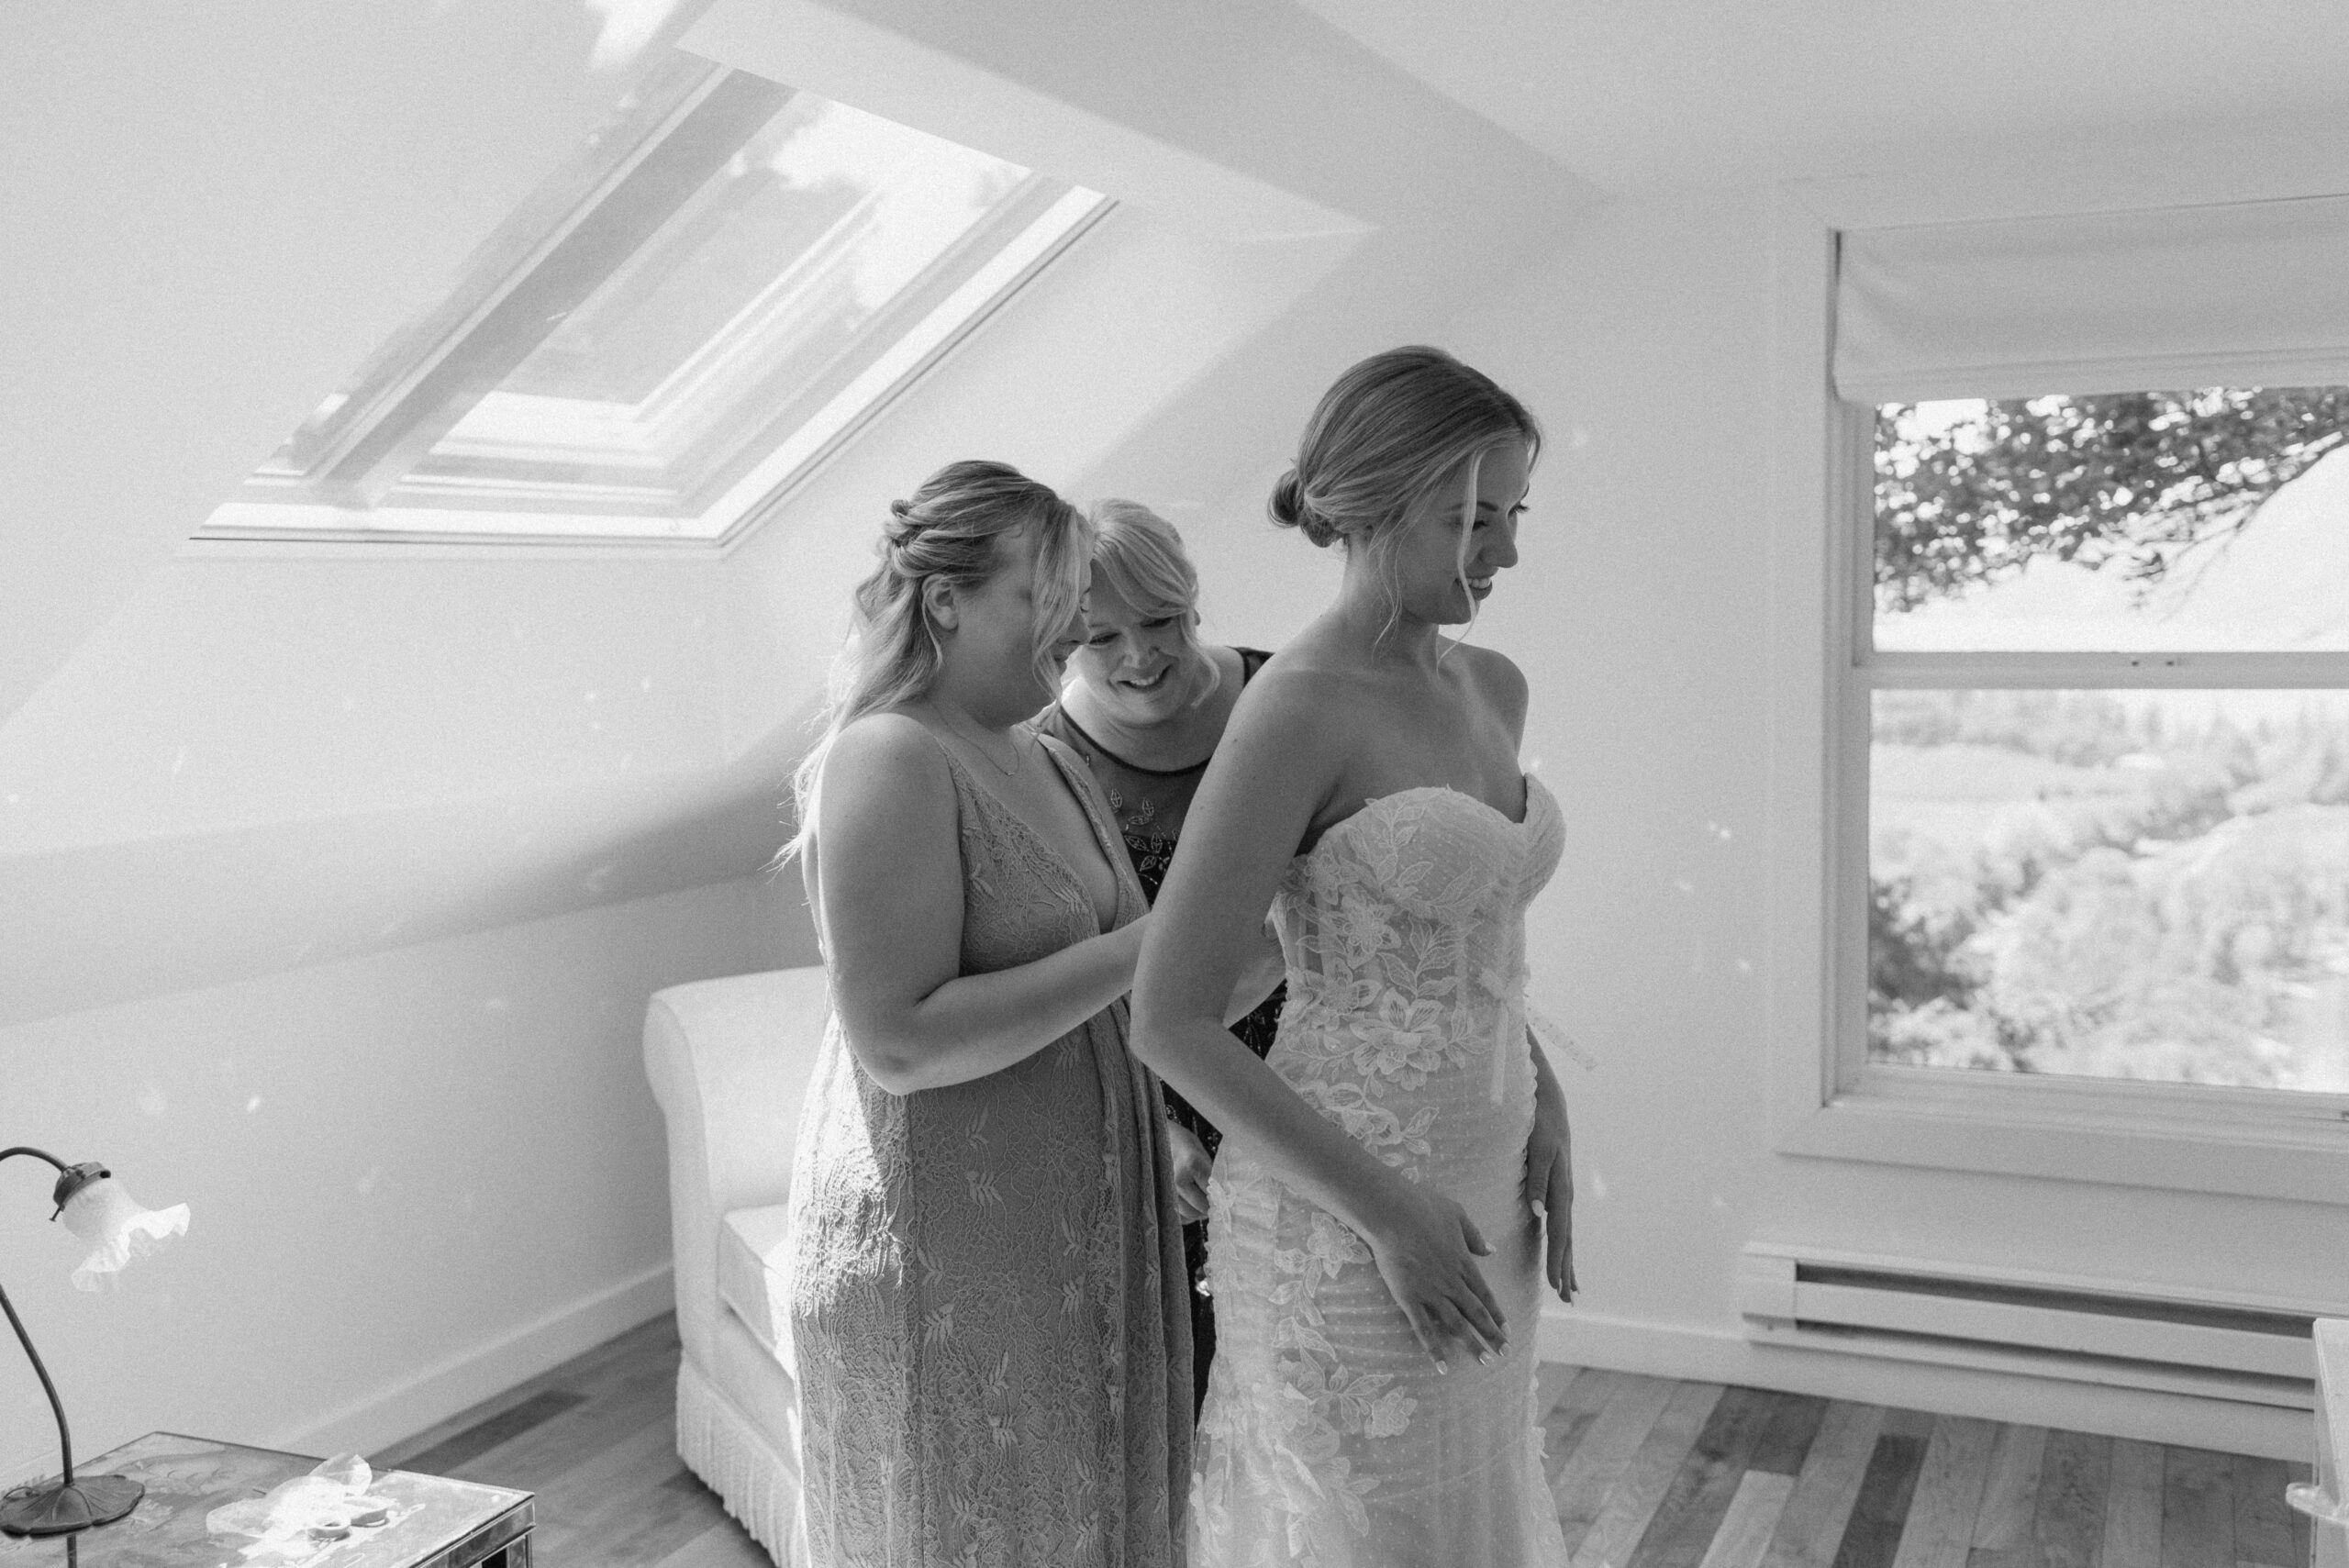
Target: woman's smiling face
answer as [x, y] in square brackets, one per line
[1434, 579]
[1142, 668]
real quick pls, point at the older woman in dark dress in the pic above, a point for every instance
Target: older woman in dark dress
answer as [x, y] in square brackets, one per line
[1144, 707]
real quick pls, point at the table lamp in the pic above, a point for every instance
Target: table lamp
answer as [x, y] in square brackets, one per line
[117, 1230]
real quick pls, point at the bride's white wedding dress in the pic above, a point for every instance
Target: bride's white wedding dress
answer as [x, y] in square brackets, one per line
[1329, 1438]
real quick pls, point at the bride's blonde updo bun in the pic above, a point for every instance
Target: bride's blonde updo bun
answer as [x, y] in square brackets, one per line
[952, 529]
[1387, 432]
[1289, 509]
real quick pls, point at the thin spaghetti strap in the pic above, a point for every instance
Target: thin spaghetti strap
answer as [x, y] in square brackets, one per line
[963, 780]
[965, 786]
[985, 817]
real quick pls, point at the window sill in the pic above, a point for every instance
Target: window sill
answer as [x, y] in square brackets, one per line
[2251, 1144]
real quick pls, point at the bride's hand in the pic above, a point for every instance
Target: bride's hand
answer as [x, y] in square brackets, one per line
[1426, 1249]
[1193, 1166]
[1550, 1186]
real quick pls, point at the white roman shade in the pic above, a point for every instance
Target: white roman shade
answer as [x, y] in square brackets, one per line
[2252, 293]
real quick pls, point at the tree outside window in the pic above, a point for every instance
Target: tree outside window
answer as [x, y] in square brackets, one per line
[2085, 864]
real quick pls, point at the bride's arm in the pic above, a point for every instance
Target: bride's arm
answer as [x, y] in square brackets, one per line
[1259, 978]
[887, 892]
[1279, 761]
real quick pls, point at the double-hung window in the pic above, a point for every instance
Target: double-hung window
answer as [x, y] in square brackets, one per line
[2088, 722]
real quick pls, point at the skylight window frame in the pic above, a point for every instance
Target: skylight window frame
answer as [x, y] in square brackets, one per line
[363, 479]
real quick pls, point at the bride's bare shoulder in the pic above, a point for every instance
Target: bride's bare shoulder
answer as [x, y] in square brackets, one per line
[1496, 679]
[1298, 721]
[1298, 686]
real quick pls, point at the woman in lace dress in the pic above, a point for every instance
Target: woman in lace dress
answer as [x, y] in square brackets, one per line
[986, 1293]
[1377, 1213]
[1145, 707]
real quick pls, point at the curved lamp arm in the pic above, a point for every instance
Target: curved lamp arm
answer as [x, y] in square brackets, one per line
[70, 1179]
[67, 1507]
[64, 1434]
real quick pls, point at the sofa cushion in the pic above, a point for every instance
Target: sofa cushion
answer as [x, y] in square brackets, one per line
[753, 1273]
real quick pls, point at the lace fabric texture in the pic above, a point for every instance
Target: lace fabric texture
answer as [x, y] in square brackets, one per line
[1328, 1437]
[1150, 807]
[986, 1301]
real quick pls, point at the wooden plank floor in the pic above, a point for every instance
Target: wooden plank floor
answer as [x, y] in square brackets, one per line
[1647, 1473]
[597, 1440]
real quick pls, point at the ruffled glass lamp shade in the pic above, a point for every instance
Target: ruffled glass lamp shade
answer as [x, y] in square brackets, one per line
[115, 1227]
[116, 1230]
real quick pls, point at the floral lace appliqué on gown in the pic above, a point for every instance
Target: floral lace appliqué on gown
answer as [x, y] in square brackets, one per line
[1329, 1438]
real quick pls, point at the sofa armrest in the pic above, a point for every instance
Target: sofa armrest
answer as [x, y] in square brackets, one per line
[730, 1062]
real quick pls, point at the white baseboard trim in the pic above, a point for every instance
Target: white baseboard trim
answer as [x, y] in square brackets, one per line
[1711, 1355]
[377, 1421]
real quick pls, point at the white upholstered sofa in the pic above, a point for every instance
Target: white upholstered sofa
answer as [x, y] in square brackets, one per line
[730, 1062]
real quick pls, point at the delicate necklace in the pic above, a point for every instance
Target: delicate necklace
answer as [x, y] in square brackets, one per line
[1019, 757]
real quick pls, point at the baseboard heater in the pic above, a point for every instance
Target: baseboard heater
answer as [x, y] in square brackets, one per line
[2237, 1347]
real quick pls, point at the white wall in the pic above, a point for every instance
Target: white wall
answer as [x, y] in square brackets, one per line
[272, 762]
[1641, 613]
[215, 213]
[416, 1177]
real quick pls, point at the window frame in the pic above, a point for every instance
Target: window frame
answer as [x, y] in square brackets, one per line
[1827, 1100]
[362, 487]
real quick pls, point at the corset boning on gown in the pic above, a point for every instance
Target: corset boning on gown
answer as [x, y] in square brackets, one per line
[1328, 1437]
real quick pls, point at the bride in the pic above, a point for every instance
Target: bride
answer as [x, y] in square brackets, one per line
[1377, 1212]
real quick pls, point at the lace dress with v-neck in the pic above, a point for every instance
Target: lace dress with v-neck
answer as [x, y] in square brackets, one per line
[986, 1313]
[1328, 1437]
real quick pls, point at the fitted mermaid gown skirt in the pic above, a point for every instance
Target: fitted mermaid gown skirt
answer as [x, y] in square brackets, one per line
[1329, 1438]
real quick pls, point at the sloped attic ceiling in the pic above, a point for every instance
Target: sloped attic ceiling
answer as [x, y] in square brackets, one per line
[220, 763]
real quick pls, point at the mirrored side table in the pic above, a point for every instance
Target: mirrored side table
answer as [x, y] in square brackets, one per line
[427, 1521]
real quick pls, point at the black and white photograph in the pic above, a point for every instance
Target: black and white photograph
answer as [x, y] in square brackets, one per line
[1174, 784]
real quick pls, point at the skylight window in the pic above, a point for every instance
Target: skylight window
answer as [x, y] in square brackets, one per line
[673, 333]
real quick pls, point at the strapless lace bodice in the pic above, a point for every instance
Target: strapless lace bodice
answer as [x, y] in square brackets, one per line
[1328, 1437]
[1405, 935]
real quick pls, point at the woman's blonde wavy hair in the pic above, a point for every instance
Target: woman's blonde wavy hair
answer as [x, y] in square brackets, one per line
[951, 529]
[1140, 556]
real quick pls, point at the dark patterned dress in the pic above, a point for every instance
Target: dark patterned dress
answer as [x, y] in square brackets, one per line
[1150, 804]
[985, 1320]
